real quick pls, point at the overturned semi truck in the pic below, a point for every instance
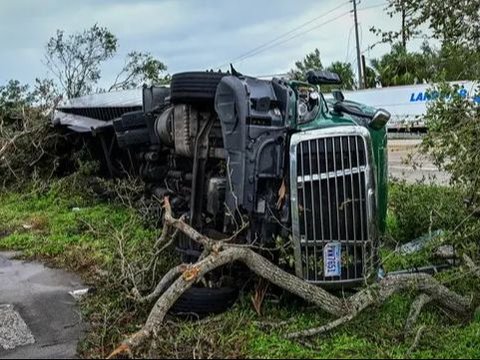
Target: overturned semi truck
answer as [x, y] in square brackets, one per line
[275, 152]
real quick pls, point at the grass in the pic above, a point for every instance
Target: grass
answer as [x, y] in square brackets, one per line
[52, 224]
[80, 233]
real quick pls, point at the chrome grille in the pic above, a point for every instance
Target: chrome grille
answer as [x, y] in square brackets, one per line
[333, 202]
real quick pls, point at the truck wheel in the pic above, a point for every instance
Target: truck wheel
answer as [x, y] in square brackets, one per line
[194, 87]
[205, 301]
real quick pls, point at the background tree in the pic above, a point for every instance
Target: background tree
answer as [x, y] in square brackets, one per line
[45, 94]
[75, 59]
[140, 68]
[408, 10]
[371, 78]
[29, 147]
[452, 62]
[456, 23]
[313, 61]
[14, 97]
[400, 67]
[345, 71]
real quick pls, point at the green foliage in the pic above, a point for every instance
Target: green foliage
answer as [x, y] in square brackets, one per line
[75, 231]
[455, 25]
[400, 67]
[75, 59]
[378, 334]
[408, 11]
[345, 71]
[140, 68]
[31, 149]
[27, 143]
[14, 97]
[450, 22]
[451, 62]
[452, 141]
[428, 210]
[453, 137]
[415, 210]
[313, 61]
[52, 224]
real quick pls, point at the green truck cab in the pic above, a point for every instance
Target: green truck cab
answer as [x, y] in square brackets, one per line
[352, 188]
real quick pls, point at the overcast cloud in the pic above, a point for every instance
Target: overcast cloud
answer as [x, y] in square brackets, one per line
[189, 34]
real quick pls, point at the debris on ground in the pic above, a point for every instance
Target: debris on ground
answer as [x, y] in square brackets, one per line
[419, 243]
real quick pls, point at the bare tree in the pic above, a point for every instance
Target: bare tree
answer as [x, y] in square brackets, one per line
[140, 68]
[75, 59]
[409, 11]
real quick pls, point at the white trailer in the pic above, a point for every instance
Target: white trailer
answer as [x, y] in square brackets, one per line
[407, 104]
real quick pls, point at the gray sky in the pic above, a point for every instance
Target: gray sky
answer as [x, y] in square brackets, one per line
[191, 34]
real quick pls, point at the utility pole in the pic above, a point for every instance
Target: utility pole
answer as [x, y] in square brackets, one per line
[364, 67]
[359, 60]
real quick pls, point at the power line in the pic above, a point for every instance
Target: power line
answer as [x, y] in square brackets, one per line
[282, 36]
[295, 36]
[373, 6]
[273, 43]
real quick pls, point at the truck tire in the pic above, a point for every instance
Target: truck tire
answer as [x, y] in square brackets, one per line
[130, 120]
[194, 87]
[205, 301]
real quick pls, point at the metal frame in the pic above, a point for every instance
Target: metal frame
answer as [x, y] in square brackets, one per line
[370, 181]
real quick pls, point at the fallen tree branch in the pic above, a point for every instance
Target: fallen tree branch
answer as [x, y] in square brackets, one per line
[471, 265]
[415, 309]
[322, 329]
[422, 283]
[12, 141]
[219, 253]
[416, 340]
[167, 279]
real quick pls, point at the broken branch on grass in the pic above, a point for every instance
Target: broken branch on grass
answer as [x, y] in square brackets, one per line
[471, 265]
[416, 340]
[415, 309]
[169, 277]
[322, 329]
[218, 253]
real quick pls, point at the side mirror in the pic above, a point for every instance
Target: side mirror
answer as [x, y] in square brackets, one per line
[323, 78]
[379, 119]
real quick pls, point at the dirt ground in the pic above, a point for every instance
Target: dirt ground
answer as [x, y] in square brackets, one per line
[399, 151]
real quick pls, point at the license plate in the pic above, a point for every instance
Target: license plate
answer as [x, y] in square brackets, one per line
[332, 255]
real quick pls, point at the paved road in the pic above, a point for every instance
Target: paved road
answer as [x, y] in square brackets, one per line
[38, 317]
[399, 150]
